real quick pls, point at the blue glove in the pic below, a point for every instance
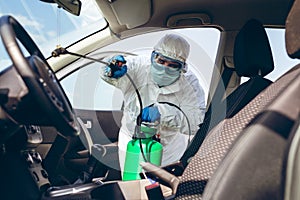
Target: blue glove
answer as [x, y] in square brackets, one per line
[121, 72]
[117, 67]
[150, 114]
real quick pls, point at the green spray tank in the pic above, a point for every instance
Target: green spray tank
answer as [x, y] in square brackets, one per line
[142, 148]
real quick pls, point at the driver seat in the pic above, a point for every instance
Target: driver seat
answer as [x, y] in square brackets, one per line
[265, 158]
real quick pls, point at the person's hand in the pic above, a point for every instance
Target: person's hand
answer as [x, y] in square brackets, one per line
[107, 71]
[120, 72]
[150, 114]
[117, 67]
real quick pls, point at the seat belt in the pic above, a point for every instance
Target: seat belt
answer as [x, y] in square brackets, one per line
[223, 83]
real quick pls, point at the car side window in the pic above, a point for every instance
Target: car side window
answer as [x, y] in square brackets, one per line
[86, 90]
[282, 61]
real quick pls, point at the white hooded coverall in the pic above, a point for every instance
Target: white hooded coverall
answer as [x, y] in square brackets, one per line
[186, 93]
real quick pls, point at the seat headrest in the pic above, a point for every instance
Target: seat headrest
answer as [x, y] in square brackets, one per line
[252, 52]
[292, 31]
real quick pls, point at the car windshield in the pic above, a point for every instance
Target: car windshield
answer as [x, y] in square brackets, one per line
[49, 25]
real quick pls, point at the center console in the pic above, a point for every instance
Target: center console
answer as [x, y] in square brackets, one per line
[21, 166]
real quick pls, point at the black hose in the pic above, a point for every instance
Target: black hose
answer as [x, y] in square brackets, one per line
[139, 117]
[142, 150]
[187, 119]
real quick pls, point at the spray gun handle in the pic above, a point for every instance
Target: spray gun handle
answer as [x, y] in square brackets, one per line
[113, 68]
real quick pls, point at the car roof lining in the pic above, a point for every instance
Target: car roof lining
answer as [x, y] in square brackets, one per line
[157, 13]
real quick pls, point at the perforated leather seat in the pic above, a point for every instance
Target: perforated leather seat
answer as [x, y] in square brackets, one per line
[252, 169]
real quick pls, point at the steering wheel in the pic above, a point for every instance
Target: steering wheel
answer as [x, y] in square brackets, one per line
[45, 102]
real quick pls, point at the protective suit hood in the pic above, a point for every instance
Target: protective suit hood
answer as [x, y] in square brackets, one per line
[173, 46]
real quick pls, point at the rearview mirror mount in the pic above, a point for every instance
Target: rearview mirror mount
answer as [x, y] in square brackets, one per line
[72, 6]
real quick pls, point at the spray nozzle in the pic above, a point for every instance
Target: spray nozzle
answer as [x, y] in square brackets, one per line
[58, 51]
[145, 130]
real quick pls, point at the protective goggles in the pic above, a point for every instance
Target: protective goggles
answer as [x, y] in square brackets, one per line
[166, 61]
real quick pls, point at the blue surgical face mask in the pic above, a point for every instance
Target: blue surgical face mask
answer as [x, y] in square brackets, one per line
[162, 75]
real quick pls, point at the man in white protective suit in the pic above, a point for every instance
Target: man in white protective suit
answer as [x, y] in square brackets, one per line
[161, 77]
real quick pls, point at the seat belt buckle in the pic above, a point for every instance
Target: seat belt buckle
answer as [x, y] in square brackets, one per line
[154, 191]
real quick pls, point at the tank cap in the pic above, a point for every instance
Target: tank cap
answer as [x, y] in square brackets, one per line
[147, 130]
